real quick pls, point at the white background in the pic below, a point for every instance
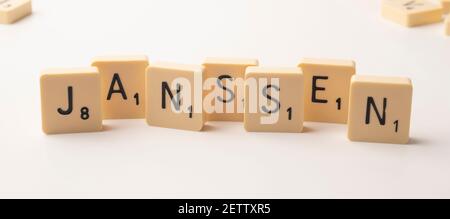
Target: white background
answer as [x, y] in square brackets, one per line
[131, 159]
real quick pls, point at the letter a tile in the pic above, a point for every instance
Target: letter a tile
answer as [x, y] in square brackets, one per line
[123, 81]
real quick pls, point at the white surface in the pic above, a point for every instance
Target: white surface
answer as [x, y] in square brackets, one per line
[131, 159]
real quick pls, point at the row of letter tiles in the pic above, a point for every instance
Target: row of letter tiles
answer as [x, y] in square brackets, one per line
[412, 13]
[76, 100]
[13, 10]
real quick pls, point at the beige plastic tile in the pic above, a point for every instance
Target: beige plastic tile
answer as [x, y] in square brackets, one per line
[274, 100]
[222, 94]
[327, 85]
[380, 109]
[446, 6]
[123, 86]
[70, 100]
[14, 10]
[447, 26]
[174, 96]
[411, 13]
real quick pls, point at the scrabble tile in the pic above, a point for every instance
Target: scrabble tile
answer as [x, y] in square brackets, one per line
[225, 88]
[446, 6]
[13, 10]
[411, 13]
[174, 96]
[123, 86]
[274, 99]
[327, 85]
[70, 100]
[447, 26]
[380, 109]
